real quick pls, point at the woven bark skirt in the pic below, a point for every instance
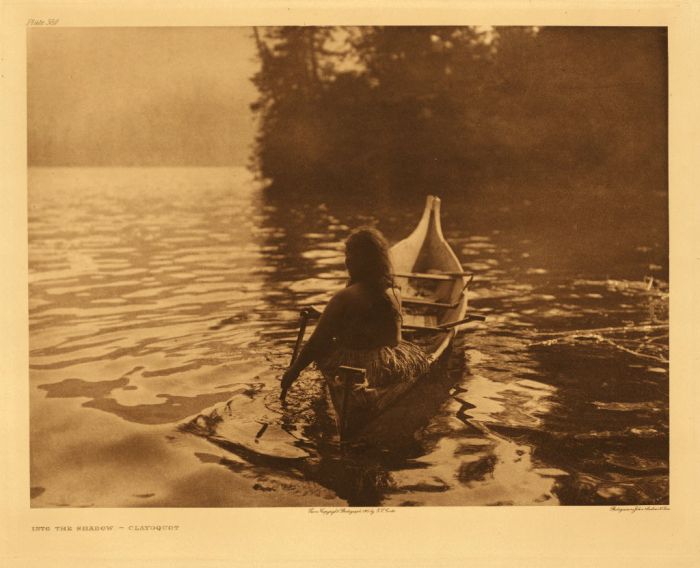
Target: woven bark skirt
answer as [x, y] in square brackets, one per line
[384, 366]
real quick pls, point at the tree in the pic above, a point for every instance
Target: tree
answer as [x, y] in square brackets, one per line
[408, 109]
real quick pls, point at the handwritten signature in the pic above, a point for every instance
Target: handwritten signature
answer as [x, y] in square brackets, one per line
[635, 508]
[350, 510]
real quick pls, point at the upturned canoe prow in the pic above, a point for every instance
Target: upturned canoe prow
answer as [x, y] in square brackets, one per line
[403, 254]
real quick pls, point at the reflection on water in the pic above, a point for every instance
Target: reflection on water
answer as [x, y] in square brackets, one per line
[163, 306]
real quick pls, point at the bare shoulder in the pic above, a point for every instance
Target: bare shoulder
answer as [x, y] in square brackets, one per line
[342, 299]
[347, 295]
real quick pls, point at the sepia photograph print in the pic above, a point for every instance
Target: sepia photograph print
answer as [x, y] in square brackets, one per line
[306, 284]
[322, 266]
[348, 266]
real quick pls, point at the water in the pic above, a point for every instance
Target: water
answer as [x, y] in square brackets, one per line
[157, 295]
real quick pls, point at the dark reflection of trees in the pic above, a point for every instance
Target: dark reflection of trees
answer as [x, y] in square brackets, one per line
[615, 456]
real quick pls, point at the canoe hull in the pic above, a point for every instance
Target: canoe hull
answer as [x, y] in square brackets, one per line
[435, 302]
[357, 407]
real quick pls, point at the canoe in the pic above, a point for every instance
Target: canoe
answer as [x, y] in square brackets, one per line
[434, 306]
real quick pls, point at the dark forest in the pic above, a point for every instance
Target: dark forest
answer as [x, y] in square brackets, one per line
[412, 110]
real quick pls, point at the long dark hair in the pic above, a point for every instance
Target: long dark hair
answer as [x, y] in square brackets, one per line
[367, 260]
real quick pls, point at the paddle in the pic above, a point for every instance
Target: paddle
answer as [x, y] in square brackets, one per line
[304, 316]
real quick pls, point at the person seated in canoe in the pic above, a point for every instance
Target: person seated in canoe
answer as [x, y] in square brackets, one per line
[361, 325]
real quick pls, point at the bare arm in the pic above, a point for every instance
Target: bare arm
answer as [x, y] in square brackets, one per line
[319, 342]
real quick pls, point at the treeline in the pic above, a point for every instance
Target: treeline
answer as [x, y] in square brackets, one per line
[412, 109]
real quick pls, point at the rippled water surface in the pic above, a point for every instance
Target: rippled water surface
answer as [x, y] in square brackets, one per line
[160, 295]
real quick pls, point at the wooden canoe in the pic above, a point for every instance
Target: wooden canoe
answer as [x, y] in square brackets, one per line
[434, 304]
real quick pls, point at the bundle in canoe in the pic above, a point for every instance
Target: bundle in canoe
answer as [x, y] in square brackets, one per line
[434, 305]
